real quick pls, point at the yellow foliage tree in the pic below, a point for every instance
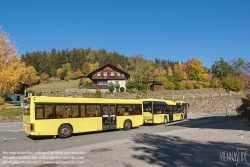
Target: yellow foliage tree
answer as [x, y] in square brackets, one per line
[93, 66]
[30, 76]
[170, 71]
[11, 67]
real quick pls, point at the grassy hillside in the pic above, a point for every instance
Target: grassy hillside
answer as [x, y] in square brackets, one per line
[55, 85]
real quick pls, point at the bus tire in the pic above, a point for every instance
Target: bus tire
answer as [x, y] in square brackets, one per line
[165, 121]
[64, 131]
[127, 125]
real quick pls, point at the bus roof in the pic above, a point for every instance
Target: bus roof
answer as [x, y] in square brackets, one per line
[49, 99]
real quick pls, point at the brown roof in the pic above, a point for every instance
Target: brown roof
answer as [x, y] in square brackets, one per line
[105, 65]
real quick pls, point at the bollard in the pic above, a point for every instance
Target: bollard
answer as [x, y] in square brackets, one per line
[227, 112]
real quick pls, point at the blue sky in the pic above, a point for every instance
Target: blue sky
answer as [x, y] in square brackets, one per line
[175, 30]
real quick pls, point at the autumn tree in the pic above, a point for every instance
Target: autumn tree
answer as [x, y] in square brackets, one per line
[30, 75]
[135, 65]
[197, 72]
[11, 67]
[221, 69]
[85, 69]
[170, 71]
[186, 65]
[119, 66]
[93, 66]
[140, 71]
[238, 65]
[179, 72]
[159, 72]
[59, 72]
[147, 69]
[241, 70]
[66, 68]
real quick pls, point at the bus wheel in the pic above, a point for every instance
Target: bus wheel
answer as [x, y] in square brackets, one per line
[127, 125]
[165, 120]
[64, 131]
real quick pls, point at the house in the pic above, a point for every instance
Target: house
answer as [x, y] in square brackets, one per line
[17, 97]
[156, 86]
[105, 74]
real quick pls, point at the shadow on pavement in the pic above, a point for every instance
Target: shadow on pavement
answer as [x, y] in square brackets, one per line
[214, 122]
[176, 151]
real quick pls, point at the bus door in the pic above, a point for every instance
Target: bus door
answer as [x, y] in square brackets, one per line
[108, 117]
[171, 110]
[185, 105]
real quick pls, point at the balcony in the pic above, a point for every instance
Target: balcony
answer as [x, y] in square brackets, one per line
[98, 87]
[109, 77]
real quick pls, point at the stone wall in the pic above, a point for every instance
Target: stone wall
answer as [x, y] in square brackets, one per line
[214, 105]
[200, 100]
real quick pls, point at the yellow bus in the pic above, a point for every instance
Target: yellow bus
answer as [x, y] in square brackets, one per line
[163, 111]
[64, 116]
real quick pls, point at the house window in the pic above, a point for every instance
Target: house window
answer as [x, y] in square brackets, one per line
[112, 74]
[116, 82]
[104, 73]
[118, 74]
[99, 74]
[102, 82]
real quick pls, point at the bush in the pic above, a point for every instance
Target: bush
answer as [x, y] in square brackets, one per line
[189, 85]
[206, 84]
[232, 84]
[111, 87]
[98, 93]
[197, 86]
[66, 79]
[215, 83]
[133, 90]
[85, 82]
[44, 76]
[1, 100]
[242, 109]
[179, 86]
[169, 85]
[122, 89]
[117, 87]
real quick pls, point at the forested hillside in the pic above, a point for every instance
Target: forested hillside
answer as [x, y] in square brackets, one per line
[77, 63]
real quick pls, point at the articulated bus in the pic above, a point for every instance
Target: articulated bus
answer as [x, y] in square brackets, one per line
[63, 116]
[163, 111]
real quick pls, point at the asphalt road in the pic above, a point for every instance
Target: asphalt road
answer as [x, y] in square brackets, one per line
[12, 139]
